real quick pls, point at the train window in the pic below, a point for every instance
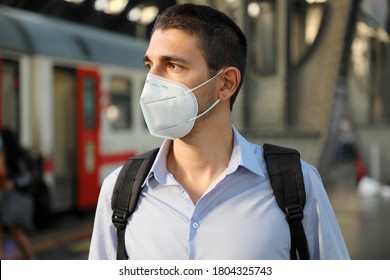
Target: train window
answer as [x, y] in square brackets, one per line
[119, 109]
[89, 103]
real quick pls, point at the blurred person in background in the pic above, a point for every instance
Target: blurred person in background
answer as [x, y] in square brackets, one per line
[346, 150]
[15, 193]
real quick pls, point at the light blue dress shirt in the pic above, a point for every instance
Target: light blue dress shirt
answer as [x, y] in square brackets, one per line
[236, 218]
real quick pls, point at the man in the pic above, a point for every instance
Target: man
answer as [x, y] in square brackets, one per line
[208, 194]
[14, 184]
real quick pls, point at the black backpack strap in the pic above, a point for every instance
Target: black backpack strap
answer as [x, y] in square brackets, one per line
[126, 193]
[284, 169]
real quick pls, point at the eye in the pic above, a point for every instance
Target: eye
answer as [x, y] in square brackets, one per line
[148, 66]
[174, 67]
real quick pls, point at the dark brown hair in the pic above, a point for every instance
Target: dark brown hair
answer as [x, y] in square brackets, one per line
[221, 41]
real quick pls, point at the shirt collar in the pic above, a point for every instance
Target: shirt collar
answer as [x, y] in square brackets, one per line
[244, 154]
[159, 168]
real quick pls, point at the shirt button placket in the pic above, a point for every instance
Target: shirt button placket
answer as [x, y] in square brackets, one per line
[192, 243]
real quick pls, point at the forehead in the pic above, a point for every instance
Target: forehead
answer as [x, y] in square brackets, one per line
[174, 43]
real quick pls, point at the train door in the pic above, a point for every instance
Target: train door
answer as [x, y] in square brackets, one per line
[76, 125]
[64, 153]
[9, 94]
[87, 125]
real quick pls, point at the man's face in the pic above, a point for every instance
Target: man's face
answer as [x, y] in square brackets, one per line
[175, 55]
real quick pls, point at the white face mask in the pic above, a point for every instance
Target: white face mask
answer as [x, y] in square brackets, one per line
[169, 107]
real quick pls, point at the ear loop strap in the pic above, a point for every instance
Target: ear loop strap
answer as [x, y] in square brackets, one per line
[211, 107]
[202, 84]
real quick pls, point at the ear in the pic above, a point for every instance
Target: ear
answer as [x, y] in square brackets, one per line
[229, 80]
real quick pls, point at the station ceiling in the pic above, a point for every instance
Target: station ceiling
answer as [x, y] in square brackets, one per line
[123, 16]
[135, 17]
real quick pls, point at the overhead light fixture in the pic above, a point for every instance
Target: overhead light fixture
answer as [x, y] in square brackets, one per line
[254, 9]
[134, 14]
[111, 6]
[316, 1]
[143, 14]
[75, 1]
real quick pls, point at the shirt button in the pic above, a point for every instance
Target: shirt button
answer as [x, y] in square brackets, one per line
[195, 225]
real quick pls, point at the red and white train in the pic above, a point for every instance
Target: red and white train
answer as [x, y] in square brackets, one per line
[72, 93]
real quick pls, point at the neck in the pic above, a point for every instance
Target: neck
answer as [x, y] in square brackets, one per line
[197, 160]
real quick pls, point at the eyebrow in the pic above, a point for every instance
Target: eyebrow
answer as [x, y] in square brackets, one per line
[168, 58]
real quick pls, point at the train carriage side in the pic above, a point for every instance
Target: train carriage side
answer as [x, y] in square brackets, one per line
[71, 92]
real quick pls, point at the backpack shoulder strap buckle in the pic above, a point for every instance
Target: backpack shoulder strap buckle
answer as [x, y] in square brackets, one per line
[119, 218]
[294, 212]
